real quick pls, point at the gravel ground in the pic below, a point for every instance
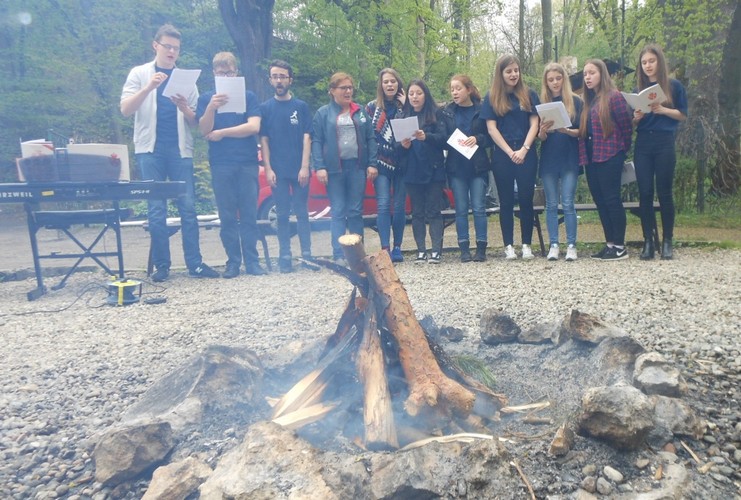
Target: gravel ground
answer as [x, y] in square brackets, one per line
[71, 364]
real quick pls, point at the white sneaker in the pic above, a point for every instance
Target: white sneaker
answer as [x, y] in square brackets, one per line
[509, 252]
[571, 253]
[553, 253]
[527, 254]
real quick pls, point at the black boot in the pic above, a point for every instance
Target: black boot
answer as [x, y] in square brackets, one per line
[480, 252]
[648, 249]
[666, 250]
[465, 251]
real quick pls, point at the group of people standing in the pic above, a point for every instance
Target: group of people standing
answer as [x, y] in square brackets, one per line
[346, 144]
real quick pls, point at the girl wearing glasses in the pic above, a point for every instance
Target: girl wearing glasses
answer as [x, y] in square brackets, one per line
[343, 154]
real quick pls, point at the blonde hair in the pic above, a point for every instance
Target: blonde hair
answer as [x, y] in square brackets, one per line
[337, 78]
[567, 95]
[498, 93]
[224, 59]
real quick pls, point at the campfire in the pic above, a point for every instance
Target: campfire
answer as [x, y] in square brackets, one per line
[412, 392]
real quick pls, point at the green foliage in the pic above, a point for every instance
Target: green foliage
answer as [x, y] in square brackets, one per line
[477, 369]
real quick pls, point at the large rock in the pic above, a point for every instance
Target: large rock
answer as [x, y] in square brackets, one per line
[497, 327]
[654, 375]
[123, 454]
[621, 415]
[585, 328]
[452, 470]
[271, 462]
[677, 417]
[177, 480]
[218, 380]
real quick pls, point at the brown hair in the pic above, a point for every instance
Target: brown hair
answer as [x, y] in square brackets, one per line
[498, 93]
[337, 78]
[167, 30]
[380, 95]
[468, 83]
[662, 72]
[567, 95]
[599, 97]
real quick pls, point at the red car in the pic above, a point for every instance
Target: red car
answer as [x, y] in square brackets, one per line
[319, 201]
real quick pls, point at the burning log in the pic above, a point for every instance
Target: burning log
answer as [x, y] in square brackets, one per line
[429, 387]
[378, 415]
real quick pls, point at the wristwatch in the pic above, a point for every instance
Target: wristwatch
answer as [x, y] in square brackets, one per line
[526, 147]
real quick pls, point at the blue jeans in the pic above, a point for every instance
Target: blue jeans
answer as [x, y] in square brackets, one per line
[655, 157]
[165, 164]
[569, 176]
[388, 187]
[235, 189]
[470, 192]
[506, 173]
[346, 190]
[603, 179]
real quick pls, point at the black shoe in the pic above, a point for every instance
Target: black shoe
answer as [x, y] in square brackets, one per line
[480, 255]
[615, 253]
[421, 258]
[667, 253]
[161, 275]
[648, 249]
[435, 258]
[601, 253]
[231, 271]
[285, 265]
[465, 252]
[203, 271]
[255, 269]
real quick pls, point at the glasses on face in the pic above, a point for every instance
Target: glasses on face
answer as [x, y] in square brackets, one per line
[168, 47]
[225, 73]
[280, 78]
[346, 88]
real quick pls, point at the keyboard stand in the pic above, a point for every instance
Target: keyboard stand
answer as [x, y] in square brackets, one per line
[62, 221]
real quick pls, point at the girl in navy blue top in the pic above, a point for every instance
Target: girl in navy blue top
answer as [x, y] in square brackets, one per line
[559, 158]
[654, 155]
[422, 161]
[512, 123]
[469, 178]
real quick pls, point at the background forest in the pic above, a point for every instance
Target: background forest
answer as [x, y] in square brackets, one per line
[63, 62]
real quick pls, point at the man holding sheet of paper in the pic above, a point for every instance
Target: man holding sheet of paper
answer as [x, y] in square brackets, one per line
[163, 144]
[232, 154]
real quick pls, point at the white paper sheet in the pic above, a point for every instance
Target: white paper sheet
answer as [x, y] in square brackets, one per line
[404, 128]
[181, 81]
[555, 112]
[235, 89]
[455, 140]
[629, 173]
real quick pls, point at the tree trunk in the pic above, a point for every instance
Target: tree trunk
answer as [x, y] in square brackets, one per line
[250, 24]
[728, 179]
[521, 33]
[547, 30]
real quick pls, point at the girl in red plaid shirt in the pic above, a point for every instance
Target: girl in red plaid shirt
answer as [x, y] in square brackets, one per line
[606, 129]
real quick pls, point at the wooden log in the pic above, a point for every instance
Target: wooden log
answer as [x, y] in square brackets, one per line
[378, 415]
[352, 246]
[429, 387]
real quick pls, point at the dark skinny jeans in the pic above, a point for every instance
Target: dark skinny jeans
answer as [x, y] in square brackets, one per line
[506, 173]
[426, 202]
[655, 158]
[603, 179]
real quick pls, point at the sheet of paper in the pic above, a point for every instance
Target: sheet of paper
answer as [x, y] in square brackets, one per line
[181, 81]
[629, 173]
[404, 128]
[555, 112]
[645, 98]
[234, 88]
[455, 140]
